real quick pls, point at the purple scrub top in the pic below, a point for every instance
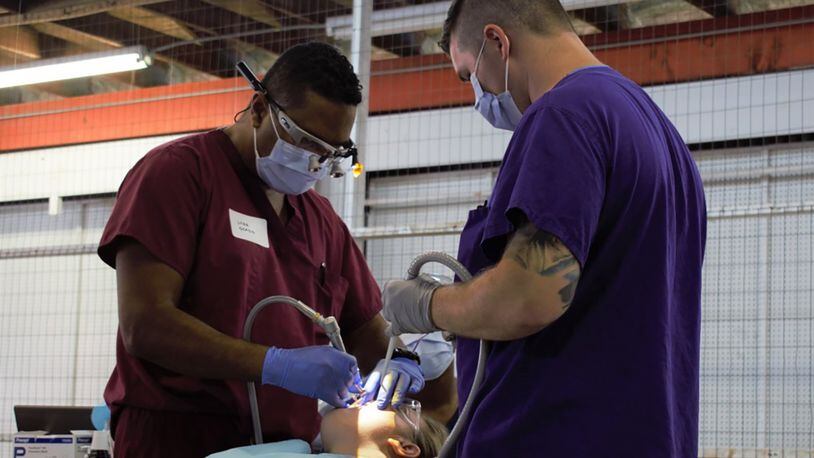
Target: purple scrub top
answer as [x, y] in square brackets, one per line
[596, 163]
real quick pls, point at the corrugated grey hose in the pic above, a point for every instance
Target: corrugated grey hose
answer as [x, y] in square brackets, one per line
[329, 324]
[464, 275]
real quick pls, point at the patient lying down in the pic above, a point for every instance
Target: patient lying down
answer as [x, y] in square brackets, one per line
[365, 432]
[369, 432]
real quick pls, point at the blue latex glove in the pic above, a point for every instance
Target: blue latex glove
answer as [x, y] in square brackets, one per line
[403, 377]
[318, 372]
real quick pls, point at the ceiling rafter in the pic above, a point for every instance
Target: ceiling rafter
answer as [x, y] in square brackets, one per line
[582, 27]
[252, 9]
[604, 18]
[67, 9]
[715, 8]
[256, 56]
[76, 36]
[20, 41]
[95, 42]
[343, 3]
[646, 13]
[153, 20]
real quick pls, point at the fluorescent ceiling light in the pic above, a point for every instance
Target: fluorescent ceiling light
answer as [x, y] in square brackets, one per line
[64, 68]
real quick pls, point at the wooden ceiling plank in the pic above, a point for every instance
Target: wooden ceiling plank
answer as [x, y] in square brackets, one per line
[68, 9]
[715, 8]
[153, 20]
[252, 9]
[72, 35]
[178, 70]
[20, 41]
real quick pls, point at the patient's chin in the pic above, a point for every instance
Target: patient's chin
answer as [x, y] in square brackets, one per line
[360, 424]
[338, 421]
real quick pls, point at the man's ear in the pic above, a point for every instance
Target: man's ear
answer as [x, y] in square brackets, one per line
[257, 110]
[497, 33]
[403, 447]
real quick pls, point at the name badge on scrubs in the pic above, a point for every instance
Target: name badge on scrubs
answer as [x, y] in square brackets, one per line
[249, 228]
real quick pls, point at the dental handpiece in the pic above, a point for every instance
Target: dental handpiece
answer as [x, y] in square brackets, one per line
[331, 327]
[329, 324]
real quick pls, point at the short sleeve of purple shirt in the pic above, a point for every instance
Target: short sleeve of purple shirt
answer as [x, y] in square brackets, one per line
[559, 180]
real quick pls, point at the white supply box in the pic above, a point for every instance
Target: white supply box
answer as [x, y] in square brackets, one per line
[40, 444]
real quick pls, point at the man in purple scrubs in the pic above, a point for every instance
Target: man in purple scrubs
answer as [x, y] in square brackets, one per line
[588, 252]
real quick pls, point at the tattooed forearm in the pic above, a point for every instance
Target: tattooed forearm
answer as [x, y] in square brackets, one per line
[543, 253]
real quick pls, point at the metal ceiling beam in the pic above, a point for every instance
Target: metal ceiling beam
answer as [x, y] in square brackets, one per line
[67, 9]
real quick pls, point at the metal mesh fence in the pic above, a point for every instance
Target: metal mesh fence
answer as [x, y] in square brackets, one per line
[735, 76]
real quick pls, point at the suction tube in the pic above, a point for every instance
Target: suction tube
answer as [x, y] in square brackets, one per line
[464, 275]
[329, 324]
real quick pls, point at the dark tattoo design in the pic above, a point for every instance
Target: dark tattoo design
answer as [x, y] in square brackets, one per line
[543, 253]
[567, 292]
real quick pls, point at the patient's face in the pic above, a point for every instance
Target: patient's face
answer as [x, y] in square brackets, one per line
[365, 423]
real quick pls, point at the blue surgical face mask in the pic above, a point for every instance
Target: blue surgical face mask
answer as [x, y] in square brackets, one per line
[286, 169]
[500, 110]
[436, 354]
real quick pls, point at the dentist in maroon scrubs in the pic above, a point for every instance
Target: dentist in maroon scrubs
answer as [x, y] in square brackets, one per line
[206, 226]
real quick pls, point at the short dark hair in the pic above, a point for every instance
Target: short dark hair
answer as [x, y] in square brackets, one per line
[317, 66]
[468, 17]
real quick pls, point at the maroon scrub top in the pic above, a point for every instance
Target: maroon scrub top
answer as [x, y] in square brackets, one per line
[179, 202]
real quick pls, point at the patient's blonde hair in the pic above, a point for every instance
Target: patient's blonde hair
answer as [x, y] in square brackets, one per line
[431, 437]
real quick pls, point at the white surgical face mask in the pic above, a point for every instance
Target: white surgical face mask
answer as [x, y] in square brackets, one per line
[286, 169]
[500, 110]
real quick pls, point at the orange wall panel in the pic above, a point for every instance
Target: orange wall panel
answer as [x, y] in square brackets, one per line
[413, 83]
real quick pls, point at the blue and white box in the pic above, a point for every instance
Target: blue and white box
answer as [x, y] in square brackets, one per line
[40, 444]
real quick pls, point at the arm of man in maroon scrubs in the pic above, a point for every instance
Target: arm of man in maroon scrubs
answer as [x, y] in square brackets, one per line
[154, 328]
